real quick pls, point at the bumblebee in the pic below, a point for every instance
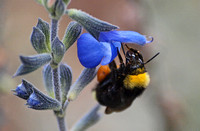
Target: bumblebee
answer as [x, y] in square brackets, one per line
[119, 86]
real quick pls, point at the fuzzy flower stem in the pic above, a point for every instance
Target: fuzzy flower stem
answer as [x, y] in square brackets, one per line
[57, 91]
[56, 80]
[61, 123]
[65, 105]
[54, 29]
[56, 84]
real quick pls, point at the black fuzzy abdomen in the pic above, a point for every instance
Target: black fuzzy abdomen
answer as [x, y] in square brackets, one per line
[115, 96]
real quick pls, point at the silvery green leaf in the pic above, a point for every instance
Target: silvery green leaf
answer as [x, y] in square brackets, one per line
[65, 80]
[86, 76]
[47, 78]
[44, 27]
[72, 33]
[38, 41]
[39, 2]
[58, 50]
[31, 63]
[93, 25]
[88, 120]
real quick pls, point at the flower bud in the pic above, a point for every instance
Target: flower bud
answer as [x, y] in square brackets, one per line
[66, 2]
[60, 9]
[23, 90]
[65, 80]
[47, 78]
[38, 40]
[58, 50]
[56, 8]
[44, 27]
[72, 33]
[93, 25]
[39, 101]
[36, 99]
[31, 63]
[85, 78]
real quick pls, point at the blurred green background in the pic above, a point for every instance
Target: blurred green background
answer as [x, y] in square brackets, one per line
[170, 103]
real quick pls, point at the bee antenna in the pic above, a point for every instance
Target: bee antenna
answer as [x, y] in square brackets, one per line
[152, 58]
[127, 46]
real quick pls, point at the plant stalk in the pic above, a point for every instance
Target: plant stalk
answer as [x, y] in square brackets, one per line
[54, 29]
[56, 81]
[61, 123]
[56, 84]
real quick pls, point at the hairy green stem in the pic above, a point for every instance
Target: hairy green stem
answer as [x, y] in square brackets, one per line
[56, 81]
[54, 29]
[61, 123]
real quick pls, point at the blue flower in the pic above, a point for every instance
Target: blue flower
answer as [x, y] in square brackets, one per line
[33, 101]
[39, 101]
[22, 91]
[92, 52]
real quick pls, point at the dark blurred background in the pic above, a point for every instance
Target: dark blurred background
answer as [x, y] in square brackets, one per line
[170, 103]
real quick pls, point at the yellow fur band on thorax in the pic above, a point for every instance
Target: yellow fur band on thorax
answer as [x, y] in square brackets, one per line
[140, 80]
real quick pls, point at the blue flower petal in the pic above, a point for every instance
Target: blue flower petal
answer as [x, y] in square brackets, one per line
[33, 100]
[110, 52]
[117, 44]
[21, 92]
[123, 36]
[90, 51]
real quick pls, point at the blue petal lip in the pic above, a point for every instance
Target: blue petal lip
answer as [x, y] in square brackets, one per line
[110, 52]
[90, 51]
[123, 37]
[33, 100]
[21, 92]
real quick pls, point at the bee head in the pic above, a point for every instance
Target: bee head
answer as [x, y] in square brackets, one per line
[134, 58]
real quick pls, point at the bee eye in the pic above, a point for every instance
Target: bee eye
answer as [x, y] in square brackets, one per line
[128, 54]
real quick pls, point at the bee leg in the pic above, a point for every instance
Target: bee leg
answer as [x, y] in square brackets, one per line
[113, 68]
[108, 110]
[112, 65]
[120, 57]
[122, 66]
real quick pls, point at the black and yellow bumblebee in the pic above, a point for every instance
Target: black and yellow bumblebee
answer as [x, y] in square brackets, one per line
[119, 86]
